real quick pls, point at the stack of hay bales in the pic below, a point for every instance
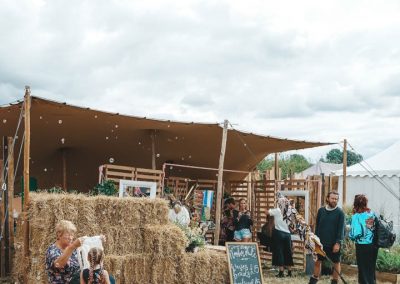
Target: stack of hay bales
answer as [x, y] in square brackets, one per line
[142, 246]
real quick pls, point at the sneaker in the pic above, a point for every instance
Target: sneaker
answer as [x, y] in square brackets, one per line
[313, 280]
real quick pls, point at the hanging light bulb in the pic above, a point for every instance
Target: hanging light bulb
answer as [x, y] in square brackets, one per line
[4, 120]
[111, 160]
[60, 121]
[62, 140]
[158, 155]
[45, 169]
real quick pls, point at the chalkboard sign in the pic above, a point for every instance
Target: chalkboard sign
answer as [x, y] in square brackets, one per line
[244, 263]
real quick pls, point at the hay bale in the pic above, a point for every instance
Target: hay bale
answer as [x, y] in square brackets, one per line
[204, 267]
[142, 246]
[142, 268]
[123, 240]
[166, 241]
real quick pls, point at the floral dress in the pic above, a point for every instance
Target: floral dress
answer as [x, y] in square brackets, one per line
[60, 275]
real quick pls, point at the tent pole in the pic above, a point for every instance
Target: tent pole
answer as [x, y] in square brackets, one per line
[64, 166]
[27, 144]
[276, 167]
[153, 150]
[219, 185]
[344, 170]
[10, 189]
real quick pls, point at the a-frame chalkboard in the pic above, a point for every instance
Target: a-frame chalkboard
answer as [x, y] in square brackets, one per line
[244, 263]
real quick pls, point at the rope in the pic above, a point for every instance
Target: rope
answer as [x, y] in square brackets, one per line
[375, 175]
[244, 143]
[12, 146]
[6, 166]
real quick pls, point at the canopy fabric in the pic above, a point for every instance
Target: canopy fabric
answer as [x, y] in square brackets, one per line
[385, 163]
[89, 138]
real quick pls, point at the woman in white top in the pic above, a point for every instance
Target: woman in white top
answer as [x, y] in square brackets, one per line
[282, 243]
[179, 214]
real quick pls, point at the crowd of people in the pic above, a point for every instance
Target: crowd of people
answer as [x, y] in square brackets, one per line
[62, 263]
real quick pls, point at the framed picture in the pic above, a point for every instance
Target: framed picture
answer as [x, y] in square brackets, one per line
[136, 188]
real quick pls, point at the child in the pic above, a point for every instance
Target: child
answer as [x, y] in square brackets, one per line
[95, 274]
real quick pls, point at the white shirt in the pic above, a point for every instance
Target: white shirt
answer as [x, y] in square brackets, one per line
[280, 225]
[182, 217]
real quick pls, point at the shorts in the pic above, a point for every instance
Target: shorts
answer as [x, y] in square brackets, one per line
[335, 257]
[241, 234]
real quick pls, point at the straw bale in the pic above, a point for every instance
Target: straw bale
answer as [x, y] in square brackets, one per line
[123, 240]
[142, 246]
[167, 240]
[142, 268]
[204, 267]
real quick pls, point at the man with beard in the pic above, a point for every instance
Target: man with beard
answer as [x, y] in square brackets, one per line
[329, 228]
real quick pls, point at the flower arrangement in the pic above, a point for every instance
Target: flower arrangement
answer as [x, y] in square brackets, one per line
[194, 236]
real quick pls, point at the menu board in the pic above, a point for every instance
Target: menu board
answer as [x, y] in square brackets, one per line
[244, 263]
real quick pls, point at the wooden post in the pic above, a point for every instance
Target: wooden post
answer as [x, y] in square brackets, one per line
[219, 185]
[344, 171]
[10, 189]
[249, 192]
[64, 167]
[276, 167]
[27, 145]
[2, 195]
[153, 150]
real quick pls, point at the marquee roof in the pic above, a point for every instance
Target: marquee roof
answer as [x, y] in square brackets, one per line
[92, 138]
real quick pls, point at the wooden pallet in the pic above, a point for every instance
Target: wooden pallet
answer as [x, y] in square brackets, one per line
[118, 172]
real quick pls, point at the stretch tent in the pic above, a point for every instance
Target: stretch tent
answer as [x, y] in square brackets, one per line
[89, 138]
[379, 179]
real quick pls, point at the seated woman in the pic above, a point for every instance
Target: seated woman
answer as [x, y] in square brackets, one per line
[62, 263]
[179, 214]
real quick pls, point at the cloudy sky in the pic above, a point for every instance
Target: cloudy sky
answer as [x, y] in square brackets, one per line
[314, 70]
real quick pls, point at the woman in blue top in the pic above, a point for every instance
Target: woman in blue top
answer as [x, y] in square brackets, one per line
[362, 233]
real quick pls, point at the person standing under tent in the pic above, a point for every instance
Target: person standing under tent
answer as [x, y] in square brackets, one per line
[242, 222]
[282, 255]
[179, 214]
[227, 223]
[362, 233]
[329, 228]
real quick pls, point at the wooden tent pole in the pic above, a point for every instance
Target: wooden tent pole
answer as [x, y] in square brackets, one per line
[153, 150]
[2, 273]
[64, 167]
[219, 185]
[27, 145]
[10, 189]
[276, 167]
[344, 171]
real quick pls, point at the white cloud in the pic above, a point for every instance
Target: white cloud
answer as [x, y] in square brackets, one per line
[314, 70]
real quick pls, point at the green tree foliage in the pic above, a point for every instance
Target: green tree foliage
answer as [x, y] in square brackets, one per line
[335, 156]
[289, 164]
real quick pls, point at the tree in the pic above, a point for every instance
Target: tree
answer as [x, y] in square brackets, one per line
[335, 156]
[289, 165]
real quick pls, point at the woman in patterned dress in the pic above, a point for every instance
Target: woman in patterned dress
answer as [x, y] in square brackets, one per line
[62, 263]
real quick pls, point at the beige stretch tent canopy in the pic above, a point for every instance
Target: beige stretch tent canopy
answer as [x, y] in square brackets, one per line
[90, 138]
